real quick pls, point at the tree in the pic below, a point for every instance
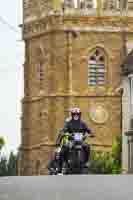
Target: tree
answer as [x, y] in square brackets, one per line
[8, 167]
[3, 167]
[12, 165]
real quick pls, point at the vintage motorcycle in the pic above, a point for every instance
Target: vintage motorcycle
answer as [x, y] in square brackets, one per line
[74, 163]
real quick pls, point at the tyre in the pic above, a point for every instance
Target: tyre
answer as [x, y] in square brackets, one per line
[64, 168]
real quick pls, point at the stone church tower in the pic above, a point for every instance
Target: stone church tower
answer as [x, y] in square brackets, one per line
[73, 52]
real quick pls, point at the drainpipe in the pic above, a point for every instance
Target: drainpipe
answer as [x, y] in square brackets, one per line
[129, 134]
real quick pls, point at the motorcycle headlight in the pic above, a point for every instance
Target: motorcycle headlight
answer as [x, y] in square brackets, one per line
[77, 137]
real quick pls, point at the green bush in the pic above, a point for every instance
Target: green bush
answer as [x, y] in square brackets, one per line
[107, 162]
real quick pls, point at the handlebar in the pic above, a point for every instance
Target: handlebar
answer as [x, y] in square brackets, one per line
[85, 135]
[71, 135]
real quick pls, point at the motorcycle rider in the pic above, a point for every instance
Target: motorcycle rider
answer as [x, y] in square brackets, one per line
[75, 124]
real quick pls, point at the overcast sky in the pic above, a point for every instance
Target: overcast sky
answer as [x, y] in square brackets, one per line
[11, 73]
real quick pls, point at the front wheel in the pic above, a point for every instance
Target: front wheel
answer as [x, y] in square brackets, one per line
[65, 168]
[79, 156]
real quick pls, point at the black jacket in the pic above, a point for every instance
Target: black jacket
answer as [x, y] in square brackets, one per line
[73, 126]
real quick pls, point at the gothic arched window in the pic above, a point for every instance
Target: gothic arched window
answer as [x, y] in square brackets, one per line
[129, 4]
[89, 4]
[96, 68]
[68, 3]
[111, 4]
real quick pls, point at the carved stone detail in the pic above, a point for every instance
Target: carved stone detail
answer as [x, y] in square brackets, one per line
[38, 27]
[35, 27]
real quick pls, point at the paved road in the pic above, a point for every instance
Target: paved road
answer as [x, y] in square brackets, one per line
[67, 188]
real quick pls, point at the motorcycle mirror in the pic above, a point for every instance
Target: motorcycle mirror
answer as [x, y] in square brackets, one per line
[92, 136]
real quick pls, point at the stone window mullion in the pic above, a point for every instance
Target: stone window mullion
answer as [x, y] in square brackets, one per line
[96, 68]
